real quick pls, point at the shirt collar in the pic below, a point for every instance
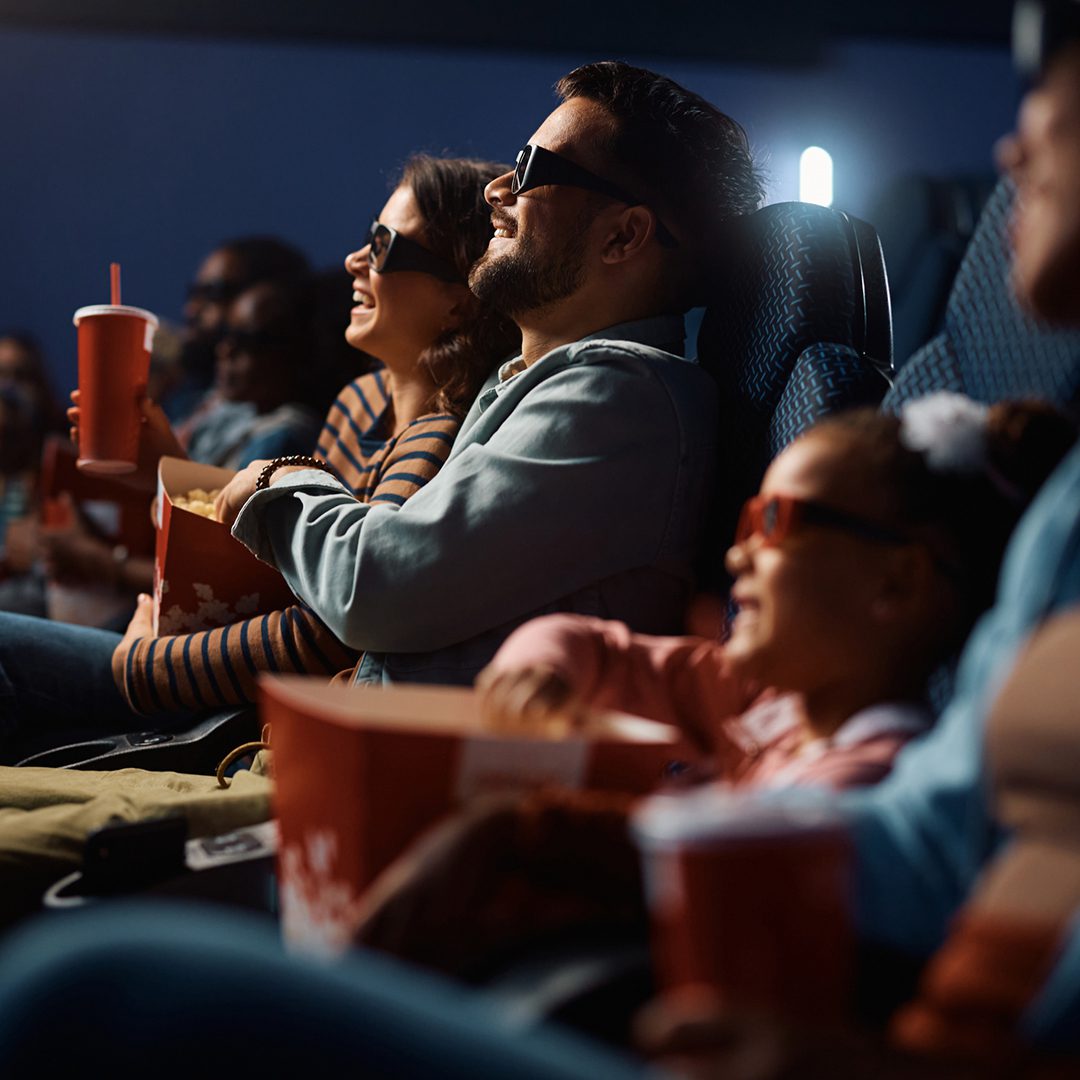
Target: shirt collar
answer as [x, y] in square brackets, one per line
[511, 368]
[774, 717]
[667, 332]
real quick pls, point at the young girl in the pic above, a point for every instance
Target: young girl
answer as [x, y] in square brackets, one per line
[858, 570]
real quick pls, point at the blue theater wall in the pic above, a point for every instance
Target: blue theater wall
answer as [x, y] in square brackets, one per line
[149, 150]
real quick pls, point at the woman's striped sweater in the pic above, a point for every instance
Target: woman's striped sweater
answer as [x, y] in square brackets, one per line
[213, 668]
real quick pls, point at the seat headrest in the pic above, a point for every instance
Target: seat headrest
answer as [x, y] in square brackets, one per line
[1000, 349]
[793, 275]
[989, 348]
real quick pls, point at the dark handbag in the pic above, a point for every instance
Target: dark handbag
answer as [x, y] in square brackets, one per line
[196, 749]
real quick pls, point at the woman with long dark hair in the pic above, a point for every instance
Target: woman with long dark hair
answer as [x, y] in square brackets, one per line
[385, 436]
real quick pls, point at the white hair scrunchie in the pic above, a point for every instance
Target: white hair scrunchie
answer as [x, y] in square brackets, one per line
[948, 429]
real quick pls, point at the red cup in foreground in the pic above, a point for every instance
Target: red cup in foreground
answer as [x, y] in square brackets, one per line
[114, 363]
[750, 899]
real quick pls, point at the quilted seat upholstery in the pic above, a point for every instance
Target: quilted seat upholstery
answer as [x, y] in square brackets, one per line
[798, 326]
[989, 348]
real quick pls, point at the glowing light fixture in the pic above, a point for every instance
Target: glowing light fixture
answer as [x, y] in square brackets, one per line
[815, 176]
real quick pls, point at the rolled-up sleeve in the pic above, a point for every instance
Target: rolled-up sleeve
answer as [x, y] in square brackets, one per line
[581, 481]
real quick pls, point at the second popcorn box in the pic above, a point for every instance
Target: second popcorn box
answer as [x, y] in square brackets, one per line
[362, 771]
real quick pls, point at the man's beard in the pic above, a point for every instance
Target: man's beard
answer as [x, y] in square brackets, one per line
[526, 279]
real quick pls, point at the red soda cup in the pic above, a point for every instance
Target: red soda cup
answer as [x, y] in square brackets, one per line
[751, 899]
[114, 364]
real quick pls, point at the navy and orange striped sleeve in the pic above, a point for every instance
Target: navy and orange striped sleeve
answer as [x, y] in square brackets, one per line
[415, 457]
[351, 439]
[214, 668]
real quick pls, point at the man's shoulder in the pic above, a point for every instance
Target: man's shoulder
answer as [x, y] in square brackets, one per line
[599, 356]
[653, 370]
[600, 350]
[636, 379]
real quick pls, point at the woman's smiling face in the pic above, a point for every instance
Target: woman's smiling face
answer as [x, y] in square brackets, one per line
[398, 315]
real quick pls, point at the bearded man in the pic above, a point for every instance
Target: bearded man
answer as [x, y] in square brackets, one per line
[580, 476]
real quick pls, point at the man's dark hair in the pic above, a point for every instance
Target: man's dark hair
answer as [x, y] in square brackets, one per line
[670, 147]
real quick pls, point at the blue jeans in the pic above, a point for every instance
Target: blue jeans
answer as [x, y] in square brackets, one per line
[139, 989]
[56, 686]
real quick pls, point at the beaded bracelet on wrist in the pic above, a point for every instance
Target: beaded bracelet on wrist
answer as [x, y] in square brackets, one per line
[303, 460]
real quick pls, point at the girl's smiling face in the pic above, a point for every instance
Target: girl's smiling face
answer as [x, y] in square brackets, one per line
[811, 604]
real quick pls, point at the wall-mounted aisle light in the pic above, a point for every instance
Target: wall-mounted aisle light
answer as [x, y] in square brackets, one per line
[815, 176]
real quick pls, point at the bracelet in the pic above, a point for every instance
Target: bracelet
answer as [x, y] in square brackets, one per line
[272, 467]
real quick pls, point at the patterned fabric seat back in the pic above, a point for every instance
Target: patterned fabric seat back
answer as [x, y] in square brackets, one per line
[989, 348]
[798, 326]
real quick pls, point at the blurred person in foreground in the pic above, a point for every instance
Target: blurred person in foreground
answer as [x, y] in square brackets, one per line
[969, 847]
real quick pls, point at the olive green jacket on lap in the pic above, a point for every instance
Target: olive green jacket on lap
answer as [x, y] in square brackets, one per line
[47, 814]
[578, 484]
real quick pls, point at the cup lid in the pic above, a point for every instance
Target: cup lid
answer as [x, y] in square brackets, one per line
[115, 309]
[710, 813]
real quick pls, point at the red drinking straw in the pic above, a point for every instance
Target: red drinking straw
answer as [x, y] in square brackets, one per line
[114, 283]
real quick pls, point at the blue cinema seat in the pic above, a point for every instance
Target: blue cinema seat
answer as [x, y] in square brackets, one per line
[798, 326]
[926, 224]
[989, 348]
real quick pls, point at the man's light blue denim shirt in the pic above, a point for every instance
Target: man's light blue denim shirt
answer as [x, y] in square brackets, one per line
[580, 485]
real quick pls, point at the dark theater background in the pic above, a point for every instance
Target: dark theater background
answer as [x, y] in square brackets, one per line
[147, 133]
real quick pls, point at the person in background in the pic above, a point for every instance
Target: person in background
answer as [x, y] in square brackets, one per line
[221, 277]
[28, 414]
[76, 554]
[266, 369]
[22, 366]
[20, 455]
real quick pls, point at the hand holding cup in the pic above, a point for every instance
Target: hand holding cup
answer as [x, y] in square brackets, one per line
[156, 440]
[114, 364]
